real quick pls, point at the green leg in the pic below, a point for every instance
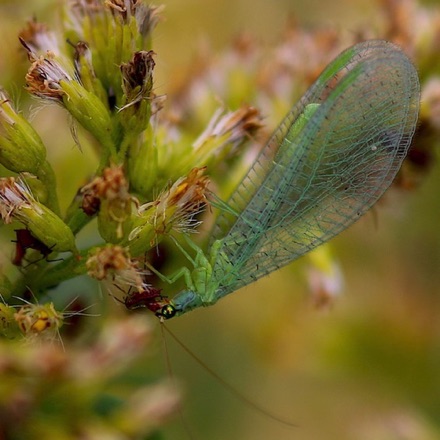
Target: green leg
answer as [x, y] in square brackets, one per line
[183, 272]
[184, 252]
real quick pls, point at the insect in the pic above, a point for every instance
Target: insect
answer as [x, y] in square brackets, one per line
[149, 298]
[25, 240]
[331, 158]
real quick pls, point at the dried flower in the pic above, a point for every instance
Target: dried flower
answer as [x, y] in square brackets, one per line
[325, 277]
[146, 16]
[114, 216]
[113, 264]
[148, 408]
[90, 201]
[175, 209]
[220, 141]
[38, 38]
[430, 110]
[16, 201]
[123, 8]
[45, 75]
[226, 132]
[41, 320]
[137, 84]
[48, 79]
[399, 21]
[137, 79]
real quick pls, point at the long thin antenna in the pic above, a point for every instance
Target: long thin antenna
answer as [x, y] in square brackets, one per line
[173, 381]
[228, 386]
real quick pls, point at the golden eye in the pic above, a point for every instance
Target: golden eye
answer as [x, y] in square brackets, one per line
[167, 311]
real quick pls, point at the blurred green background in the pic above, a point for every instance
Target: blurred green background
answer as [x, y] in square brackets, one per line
[368, 367]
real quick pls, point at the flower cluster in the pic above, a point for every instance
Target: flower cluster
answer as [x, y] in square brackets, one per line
[103, 77]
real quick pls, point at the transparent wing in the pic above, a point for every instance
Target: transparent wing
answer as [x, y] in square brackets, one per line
[304, 190]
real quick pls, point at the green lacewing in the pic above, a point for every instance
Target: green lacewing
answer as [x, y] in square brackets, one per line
[331, 158]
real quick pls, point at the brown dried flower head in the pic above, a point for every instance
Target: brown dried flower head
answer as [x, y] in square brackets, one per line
[45, 74]
[14, 195]
[112, 185]
[114, 265]
[137, 77]
[225, 132]
[38, 37]
[178, 206]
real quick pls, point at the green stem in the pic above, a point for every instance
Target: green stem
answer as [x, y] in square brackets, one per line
[70, 268]
[47, 176]
[75, 217]
[5, 286]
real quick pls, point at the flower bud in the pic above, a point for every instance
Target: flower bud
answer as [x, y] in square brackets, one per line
[225, 133]
[175, 209]
[8, 326]
[142, 162]
[86, 73]
[21, 149]
[40, 320]
[114, 215]
[17, 202]
[89, 111]
[47, 78]
[137, 83]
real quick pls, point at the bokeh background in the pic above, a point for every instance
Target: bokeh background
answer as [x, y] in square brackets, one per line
[365, 368]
